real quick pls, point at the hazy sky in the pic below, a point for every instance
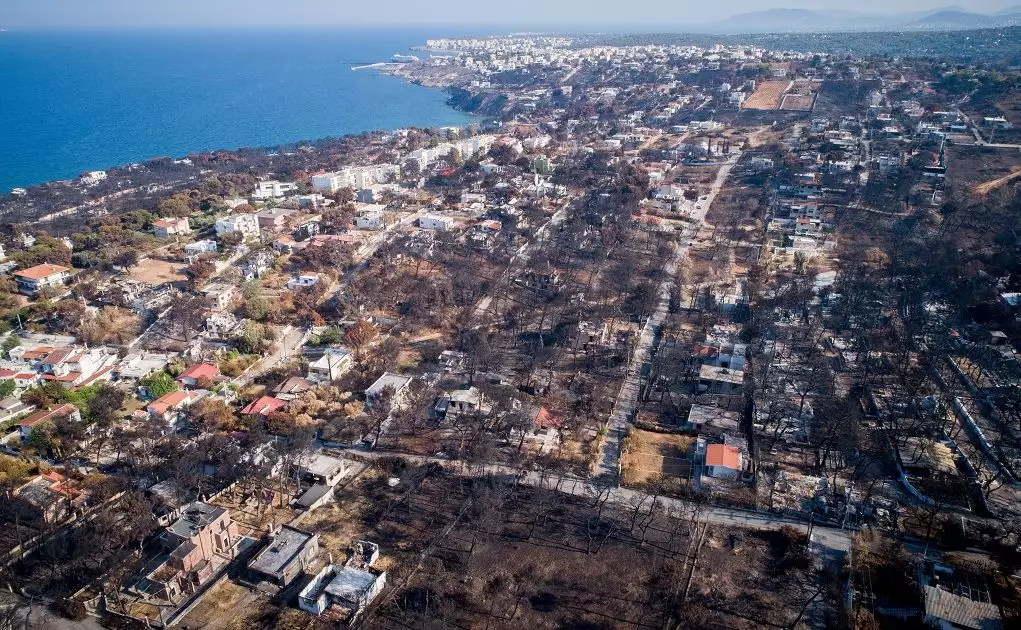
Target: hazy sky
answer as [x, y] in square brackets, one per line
[121, 13]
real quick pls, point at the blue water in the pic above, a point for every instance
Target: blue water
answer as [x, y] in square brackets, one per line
[77, 101]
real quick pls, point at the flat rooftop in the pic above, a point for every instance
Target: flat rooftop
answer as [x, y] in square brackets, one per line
[349, 584]
[324, 465]
[722, 375]
[281, 551]
[194, 517]
[394, 381]
[707, 415]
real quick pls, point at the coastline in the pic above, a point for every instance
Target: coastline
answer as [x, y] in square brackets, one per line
[163, 116]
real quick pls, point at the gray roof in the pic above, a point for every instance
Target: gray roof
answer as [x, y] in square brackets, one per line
[395, 381]
[284, 548]
[194, 517]
[324, 465]
[349, 585]
[715, 417]
[961, 611]
[719, 374]
[313, 494]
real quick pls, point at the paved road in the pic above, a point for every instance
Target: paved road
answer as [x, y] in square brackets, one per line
[831, 538]
[627, 404]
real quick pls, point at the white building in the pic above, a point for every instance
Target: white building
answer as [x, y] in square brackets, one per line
[245, 224]
[467, 147]
[357, 177]
[371, 218]
[435, 222]
[93, 177]
[303, 281]
[272, 189]
[205, 246]
[331, 366]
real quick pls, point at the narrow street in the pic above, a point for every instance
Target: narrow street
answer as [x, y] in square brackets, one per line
[627, 404]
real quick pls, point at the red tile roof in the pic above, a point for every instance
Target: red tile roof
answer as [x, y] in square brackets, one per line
[549, 419]
[47, 414]
[166, 403]
[200, 370]
[38, 353]
[723, 456]
[264, 406]
[40, 271]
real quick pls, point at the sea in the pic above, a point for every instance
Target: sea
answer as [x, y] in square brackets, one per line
[74, 101]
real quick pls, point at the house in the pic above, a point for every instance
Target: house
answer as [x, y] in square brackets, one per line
[723, 461]
[314, 201]
[435, 222]
[272, 189]
[172, 407]
[288, 245]
[219, 295]
[720, 380]
[274, 219]
[199, 543]
[76, 365]
[997, 122]
[167, 498]
[303, 281]
[263, 406]
[351, 587]
[23, 379]
[462, 401]
[316, 496]
[138, 365]
[34, 279]
[165, 228]
[48, 497]
[292, 387]
[396, 383]
[356, 177]
[11, 408]
[371, 217]
[191, 376]
[323, 469]
[205, 246]
[247, 225]
[952, 599]
[592, 335]
[544, 430]
[713, 421]
[91, 178]
[330, 366]
[287, 553]
[30, 422]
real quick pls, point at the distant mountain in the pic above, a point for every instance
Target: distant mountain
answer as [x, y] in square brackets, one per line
[805, 20]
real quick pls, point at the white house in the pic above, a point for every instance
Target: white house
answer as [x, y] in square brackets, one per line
[205, 246]
[165, 228]
[272, 189]
[303, 281]
[330, 366]
[371, 217]
[93, 177]
[723, 461]
[389, 381]
[245, 224]
[435, 222]
[34, 279]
